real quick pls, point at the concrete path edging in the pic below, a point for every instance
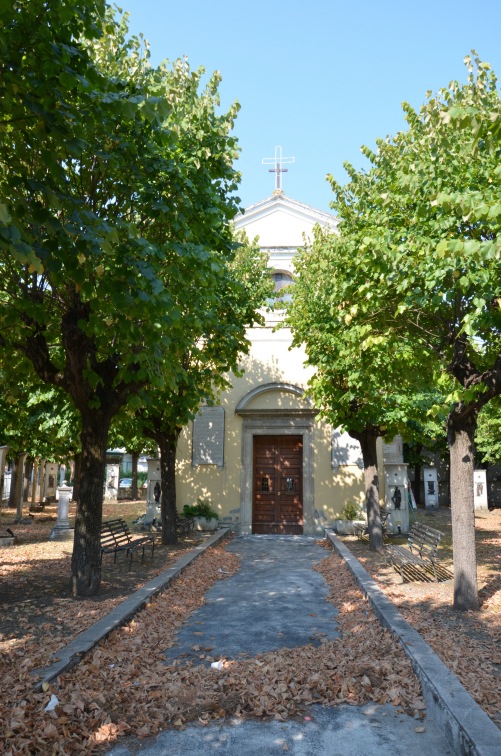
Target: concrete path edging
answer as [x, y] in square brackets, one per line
[70, 655]
[465, 724]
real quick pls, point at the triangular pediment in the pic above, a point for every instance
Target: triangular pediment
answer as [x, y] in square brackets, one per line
[281, 222]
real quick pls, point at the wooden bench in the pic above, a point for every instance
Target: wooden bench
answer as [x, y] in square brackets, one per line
[419, 560]
[362, 531]
[184, 524]
[116, 536]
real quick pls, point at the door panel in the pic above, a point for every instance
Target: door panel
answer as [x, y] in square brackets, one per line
[277, 497]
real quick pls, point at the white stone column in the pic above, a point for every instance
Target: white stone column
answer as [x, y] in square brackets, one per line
[18, 494]
[62, 530]
[153, 491]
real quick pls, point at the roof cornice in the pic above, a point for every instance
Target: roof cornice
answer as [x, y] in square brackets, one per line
[288, 205]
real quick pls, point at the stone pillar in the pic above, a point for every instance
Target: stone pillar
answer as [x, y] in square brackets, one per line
[18, 493]
[392, 454]
[62, 530]
[397, 497]
[153, 491]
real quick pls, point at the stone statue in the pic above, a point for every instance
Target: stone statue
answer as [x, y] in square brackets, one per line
[397, 498]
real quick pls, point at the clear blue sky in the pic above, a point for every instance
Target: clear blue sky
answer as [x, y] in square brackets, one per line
[322, 77]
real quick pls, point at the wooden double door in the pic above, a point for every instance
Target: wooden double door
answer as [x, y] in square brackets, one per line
[277, 495]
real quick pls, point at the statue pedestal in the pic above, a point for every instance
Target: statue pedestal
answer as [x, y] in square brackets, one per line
[62, 530]
[152, 511]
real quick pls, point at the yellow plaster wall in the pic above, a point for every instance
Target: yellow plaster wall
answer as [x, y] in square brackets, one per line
[333, 487]
[270, 361]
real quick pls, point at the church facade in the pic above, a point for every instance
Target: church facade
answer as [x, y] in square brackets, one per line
[261, 457]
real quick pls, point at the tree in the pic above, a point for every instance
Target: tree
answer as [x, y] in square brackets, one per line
[362, 381]
[110, 168]
[424, 434]
[423, 226]
[127, 433]
[35, 418]
[488, 438]
[207, 360]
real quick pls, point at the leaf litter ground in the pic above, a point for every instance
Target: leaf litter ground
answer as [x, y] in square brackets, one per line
[125, 686]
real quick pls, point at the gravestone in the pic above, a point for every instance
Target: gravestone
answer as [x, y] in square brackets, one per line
[112, 481]
[480, 489]
[7, 479]
[50, 481]
[430, 478]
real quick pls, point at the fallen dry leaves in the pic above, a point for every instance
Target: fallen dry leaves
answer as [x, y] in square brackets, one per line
[126, 685]
[38, 613]
[467, 642]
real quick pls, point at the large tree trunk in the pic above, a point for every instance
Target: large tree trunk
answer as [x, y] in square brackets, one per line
[18, 493]
[368, 439]
[461, 427]
[34, 483]
[76, 476]
[167, 443]
[85, 562]
[28, 467]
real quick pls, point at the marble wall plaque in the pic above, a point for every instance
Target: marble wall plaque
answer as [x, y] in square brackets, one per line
[393, 453]
[208, 437]
[345, 450]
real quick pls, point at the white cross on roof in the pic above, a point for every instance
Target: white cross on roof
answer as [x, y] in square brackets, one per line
[278, 161]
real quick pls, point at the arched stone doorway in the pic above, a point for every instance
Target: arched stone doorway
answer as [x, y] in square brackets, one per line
[276, 417]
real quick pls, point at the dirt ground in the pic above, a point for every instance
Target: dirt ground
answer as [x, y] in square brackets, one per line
[38, 616]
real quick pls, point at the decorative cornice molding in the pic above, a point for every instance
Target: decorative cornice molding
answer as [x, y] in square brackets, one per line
[286, 204]
[271, 414]
[266, 388]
